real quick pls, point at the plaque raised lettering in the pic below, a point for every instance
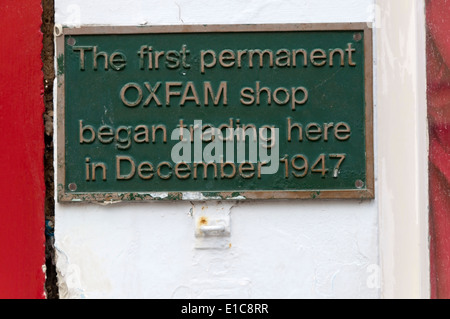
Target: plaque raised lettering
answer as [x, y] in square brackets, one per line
[215, 112]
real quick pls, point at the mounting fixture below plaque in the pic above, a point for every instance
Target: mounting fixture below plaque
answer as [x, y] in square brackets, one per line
[198, 112]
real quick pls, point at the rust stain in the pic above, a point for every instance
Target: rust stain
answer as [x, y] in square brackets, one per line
[202, 221]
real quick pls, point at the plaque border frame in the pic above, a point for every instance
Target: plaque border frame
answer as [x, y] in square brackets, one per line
[110, 197]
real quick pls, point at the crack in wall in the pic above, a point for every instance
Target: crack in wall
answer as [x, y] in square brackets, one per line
[47, 27]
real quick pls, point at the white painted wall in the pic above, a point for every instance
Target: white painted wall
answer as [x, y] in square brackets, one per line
[279, 249]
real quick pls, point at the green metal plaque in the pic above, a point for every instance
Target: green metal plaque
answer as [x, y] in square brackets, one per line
[215, 112]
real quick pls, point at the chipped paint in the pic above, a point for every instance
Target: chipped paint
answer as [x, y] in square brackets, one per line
[159, 195]
[110, 202]
[60, 64]
[195, 196]
[201, 196]
[238, 198]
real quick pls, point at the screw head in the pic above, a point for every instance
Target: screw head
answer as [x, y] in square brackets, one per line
[359, 184]
[71, 41]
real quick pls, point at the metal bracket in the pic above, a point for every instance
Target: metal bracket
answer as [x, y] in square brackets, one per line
[212, 226]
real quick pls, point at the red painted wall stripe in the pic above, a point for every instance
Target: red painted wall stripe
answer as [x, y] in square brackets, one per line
[22, 188]
[438, 77]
